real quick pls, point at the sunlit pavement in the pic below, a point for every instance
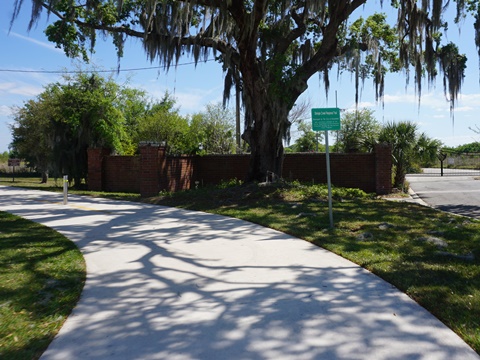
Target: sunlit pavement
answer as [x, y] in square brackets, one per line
[455, 194]
[164, 283]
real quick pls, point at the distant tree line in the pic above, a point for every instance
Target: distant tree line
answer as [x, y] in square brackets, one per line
[473, 147]
[53, 131]
[4, 157]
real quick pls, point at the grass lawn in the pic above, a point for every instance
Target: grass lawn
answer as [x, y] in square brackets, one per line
[41, 277]
[432, 256]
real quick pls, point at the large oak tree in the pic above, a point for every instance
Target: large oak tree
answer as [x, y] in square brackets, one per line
[271, 47]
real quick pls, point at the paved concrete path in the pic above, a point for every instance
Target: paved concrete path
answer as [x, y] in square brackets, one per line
[170, 284]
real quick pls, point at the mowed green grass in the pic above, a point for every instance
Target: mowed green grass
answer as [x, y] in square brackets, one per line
[42, 274]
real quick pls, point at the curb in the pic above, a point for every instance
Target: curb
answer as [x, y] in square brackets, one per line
[417, 198]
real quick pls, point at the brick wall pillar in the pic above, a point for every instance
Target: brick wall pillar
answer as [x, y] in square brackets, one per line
[95, 158]
[383, 169]
[152, 157]
[163, 173]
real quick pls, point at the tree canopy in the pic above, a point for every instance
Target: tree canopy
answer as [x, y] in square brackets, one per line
[473, 147]
[359, 131]
[215, 130]
[272, 47]
[163, 123]
[308, 141]
[54, 130]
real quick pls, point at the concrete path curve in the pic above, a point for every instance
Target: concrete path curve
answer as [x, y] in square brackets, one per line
[165, 283]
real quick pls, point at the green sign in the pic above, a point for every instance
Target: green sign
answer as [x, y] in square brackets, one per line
[325, 119]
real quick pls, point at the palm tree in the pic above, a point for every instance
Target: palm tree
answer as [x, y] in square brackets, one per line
[427, 150]
[402, 137]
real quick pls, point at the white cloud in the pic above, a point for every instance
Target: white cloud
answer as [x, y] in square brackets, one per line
[428, 101]
[24, 84]
[27, 90]
[470, 97]
[7, 86]
[464, 109]
[195, 100]
[397, 99]
[36, 42]
[458, 140]
[19, 88]
[189, 100]
[435, 101]
[361, 105]
[5, 110]
[471, 100]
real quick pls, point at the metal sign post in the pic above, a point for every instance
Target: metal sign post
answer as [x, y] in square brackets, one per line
[324, 120]
[329, 182]
[13, 163]
[65, 189]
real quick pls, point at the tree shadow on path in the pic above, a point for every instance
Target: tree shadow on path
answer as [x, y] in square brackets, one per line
[165, 283]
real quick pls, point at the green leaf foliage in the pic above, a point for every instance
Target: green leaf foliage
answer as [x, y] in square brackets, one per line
[214, 130]
[408, 148]
[359, 131]
[54, 131]
[308, 140]
[163, 123]
[270, 49]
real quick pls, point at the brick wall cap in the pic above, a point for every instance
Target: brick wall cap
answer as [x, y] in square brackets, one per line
[151, 143]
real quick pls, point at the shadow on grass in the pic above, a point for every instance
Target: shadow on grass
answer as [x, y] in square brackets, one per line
[42, 275]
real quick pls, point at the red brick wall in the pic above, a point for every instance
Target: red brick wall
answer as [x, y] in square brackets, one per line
[121, 174]
[95, 158]
[152, 165]
[212, 169]
[178, 174]
[152, 171]
[383, 169]
[346, 170]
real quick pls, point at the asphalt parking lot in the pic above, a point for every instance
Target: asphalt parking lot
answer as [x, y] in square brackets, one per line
[456, 194]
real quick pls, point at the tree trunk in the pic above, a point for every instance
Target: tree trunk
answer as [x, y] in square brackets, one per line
[265, 140]
[44, 177]
[266, 161]
[268, 98]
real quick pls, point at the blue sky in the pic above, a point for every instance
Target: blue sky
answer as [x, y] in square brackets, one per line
[194, 87]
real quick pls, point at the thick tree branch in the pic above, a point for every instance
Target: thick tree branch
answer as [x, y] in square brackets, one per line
[249, 28]
[259, 10]
[339, 11]
[237, 10]
[211, 42]
[284, 42]
[112, 29]
[328, 49]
